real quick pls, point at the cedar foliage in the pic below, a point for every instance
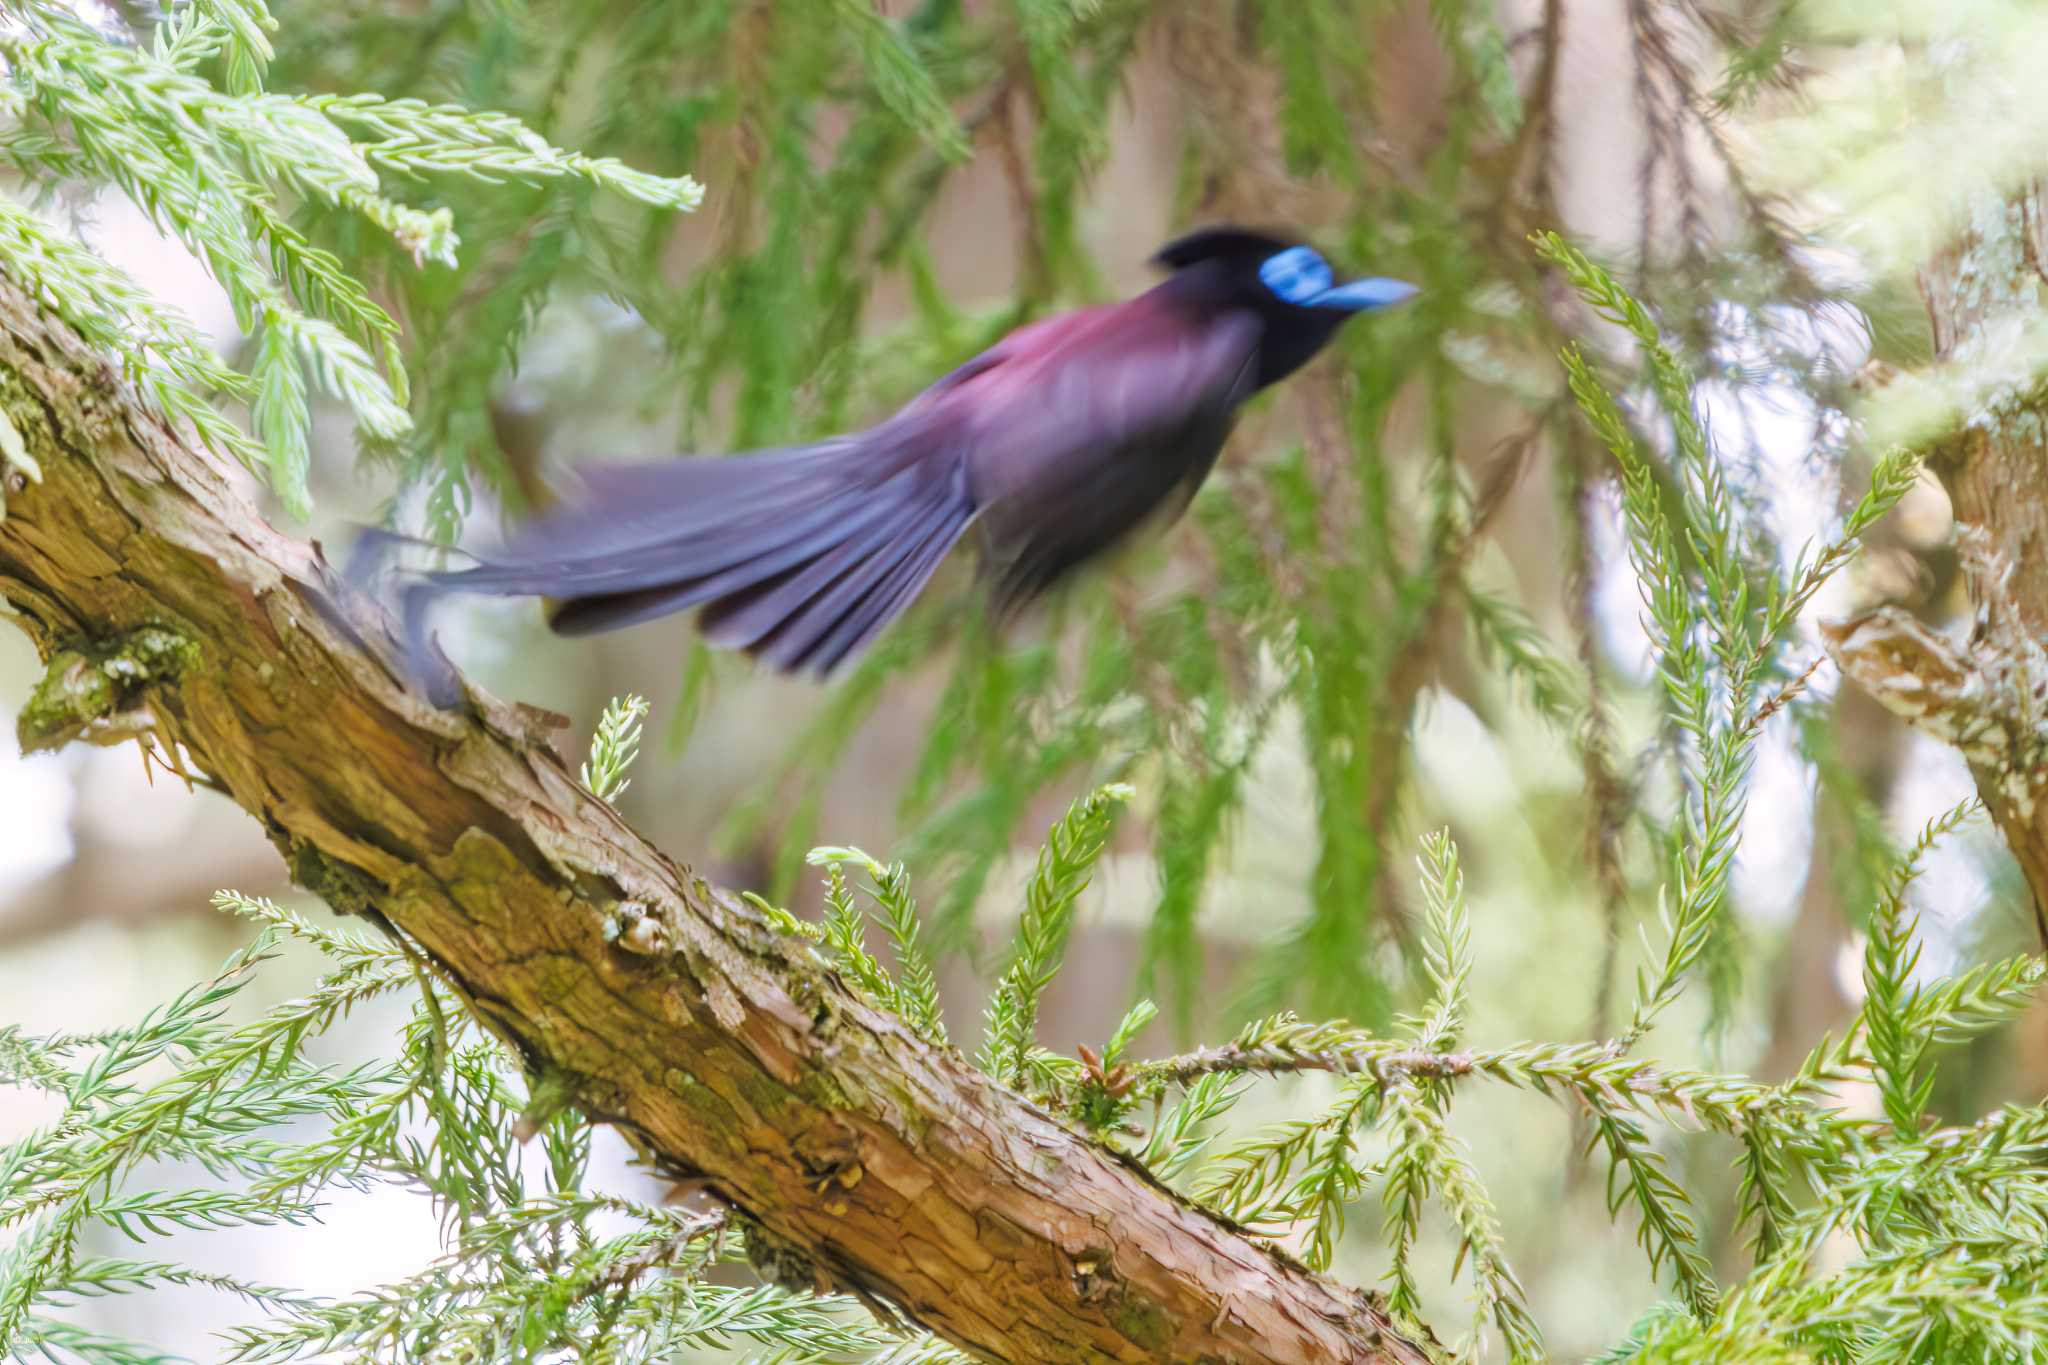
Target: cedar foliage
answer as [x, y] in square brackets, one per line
[392, 199]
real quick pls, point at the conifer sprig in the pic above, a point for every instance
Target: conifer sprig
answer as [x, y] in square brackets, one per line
[613, 747]
[533, 1263]
[1065, 865]
[1712, 648]
[913, 992]
[528, 1267]
[219, 167]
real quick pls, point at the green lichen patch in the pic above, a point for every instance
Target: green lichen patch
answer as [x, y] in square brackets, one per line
[95, 692]
[345, 889]
[1141, 1321]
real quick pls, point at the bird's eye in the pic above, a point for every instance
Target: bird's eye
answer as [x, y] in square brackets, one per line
[1296, 275]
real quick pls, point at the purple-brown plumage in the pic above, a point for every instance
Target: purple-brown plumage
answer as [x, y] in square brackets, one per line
[1051, 447]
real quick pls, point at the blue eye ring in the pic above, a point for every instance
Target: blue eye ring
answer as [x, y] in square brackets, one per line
[1298, 275]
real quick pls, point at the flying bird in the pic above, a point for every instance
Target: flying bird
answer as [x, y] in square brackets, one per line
[1049, 447]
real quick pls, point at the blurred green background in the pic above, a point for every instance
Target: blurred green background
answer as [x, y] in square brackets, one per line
[1402, 603]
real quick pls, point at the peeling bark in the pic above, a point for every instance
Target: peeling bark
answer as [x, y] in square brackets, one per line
[1987, 694]
[875, 1162]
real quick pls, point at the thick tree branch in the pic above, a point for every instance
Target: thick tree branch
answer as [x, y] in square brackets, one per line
[1987, 695]
[168, 609]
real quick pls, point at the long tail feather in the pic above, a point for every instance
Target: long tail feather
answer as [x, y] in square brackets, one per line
[797, 556]
[878, 606]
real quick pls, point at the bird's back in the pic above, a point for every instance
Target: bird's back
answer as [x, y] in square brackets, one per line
[1080, 429]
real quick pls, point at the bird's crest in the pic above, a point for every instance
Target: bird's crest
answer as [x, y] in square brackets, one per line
[1208, 244]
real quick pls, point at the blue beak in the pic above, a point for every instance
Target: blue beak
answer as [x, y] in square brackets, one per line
[1360, 295]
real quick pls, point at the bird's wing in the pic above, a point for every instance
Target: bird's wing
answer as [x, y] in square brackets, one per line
[1079, 429]
[798, 556]
[1062, 437]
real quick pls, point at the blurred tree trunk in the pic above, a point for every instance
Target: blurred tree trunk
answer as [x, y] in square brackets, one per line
[1988, 695]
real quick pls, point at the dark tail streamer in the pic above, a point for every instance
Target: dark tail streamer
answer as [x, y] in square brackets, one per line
[797, 557]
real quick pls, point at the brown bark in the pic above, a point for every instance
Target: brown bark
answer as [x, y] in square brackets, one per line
[1996, 473]
[1987, 694]
[874, 1162]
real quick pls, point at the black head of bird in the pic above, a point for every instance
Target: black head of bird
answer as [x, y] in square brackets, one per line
[1291, 287]
[1050, 447]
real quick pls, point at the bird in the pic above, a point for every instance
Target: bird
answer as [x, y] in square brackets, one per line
[1048, 449]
